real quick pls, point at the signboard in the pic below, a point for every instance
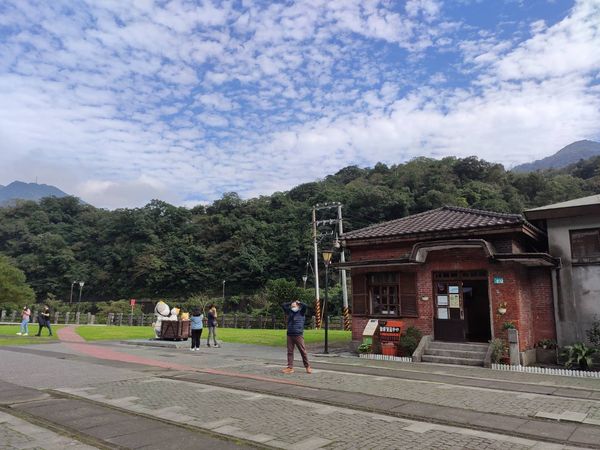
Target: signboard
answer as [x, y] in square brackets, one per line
[389, 330]
[371, 327]
[132, 302]
[498, 280]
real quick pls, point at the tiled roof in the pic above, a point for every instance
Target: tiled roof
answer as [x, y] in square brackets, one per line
[583, 201]
[446, 218]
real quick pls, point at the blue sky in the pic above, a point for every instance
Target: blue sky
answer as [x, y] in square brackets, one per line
[120, 101]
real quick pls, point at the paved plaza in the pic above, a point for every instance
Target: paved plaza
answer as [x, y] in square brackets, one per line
[71, 394]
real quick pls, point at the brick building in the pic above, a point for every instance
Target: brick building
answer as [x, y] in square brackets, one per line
[457, 274]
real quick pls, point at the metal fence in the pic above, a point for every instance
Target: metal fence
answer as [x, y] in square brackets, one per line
[226, 320]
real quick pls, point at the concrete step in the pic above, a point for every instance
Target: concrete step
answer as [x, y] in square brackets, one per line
[451, 360]
[456, 353]
[467, 347]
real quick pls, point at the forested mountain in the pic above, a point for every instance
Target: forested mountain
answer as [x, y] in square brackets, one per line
[164, 250]
[18, 190]
[570, 154]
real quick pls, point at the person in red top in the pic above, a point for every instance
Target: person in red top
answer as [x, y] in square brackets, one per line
[25, 315]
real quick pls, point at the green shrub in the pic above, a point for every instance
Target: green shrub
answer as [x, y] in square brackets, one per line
[578, 355]
[499, 350]
[365, 348]
[593, 333]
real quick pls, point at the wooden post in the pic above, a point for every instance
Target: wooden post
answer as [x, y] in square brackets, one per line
[235, 320]
[67, 314]
[56, 317]
[247, 321]
[93, 319]
[77, 316]
[3, 315]
[109, 318]
[89, 318]
[120, 319]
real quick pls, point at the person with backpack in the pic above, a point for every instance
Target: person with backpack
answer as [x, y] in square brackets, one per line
[212, 325]
[196, 326]
[296, 315]
[44, 321]
[25, 317]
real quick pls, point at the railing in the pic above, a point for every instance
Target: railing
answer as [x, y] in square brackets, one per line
[226, 320]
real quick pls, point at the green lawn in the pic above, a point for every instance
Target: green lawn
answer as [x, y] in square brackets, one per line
[275, 338]
[101, 333]
[8, 335]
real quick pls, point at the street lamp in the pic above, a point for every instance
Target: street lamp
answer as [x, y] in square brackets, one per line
[304, 278]
[327, 254]
[223, 295]
[81, 283]
[71, 298]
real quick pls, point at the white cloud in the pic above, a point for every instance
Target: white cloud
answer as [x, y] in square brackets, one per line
[122, 102]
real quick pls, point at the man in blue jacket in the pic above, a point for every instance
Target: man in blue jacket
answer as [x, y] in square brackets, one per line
[296, 313]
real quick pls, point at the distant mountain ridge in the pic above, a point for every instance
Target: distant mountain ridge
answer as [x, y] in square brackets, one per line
[570, 154]
[18, 190]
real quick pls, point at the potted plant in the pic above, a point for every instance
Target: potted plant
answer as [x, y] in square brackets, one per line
[508, 325]
[502, 307]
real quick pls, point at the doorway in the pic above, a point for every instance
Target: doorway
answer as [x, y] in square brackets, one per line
[461, 306]
[477, 311]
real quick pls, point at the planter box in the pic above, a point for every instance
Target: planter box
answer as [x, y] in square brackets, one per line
[389, 349]
[545, 355]
[175, 329]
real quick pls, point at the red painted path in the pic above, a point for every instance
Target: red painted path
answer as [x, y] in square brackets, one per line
[72, 340]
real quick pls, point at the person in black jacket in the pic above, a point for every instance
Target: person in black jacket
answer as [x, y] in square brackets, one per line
[296, 314]
[44, 321]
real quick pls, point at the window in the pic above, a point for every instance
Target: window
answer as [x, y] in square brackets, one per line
[585, 245]
[392, 294]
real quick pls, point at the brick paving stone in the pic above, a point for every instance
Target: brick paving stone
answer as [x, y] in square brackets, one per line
[457, 396]
[292, 423]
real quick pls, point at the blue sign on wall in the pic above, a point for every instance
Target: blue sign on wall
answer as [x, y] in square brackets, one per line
[498, 280]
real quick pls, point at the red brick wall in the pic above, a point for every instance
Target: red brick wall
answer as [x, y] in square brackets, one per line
[527, 293]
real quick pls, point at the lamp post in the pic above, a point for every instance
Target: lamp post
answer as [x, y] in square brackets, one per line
[223, 295]
[81, 283]
[71, 298]
[327, 254]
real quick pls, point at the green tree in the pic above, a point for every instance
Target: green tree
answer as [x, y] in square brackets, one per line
[14, 290]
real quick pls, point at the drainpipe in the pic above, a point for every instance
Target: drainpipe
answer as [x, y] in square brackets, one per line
[556, 296]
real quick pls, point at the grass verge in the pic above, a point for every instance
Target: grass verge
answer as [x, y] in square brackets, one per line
[273, 338]
[8, 335]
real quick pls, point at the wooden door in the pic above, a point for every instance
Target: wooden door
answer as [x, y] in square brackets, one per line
[449, 318]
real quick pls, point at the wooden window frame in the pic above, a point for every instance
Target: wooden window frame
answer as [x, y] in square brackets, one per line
[583, 259]
[409, 291]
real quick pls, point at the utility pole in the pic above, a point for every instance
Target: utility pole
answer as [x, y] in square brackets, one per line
[316, 258]
[346, 311]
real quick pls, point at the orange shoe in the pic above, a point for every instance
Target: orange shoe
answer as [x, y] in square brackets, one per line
[309, 370]
[288, 370]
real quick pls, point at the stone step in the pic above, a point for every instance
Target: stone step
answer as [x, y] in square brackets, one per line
[451, 360]
[467, 347]
[480, 355]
